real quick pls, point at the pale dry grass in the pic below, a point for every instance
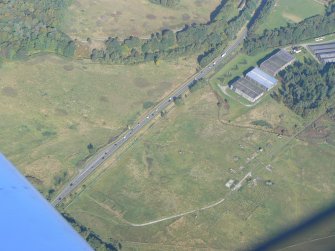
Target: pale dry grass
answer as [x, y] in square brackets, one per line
[100, 19]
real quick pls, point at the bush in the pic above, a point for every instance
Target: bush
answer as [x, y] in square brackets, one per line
[148, 104]
[262, 123]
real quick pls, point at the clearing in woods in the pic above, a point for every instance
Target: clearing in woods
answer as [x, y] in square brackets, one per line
[288, 11]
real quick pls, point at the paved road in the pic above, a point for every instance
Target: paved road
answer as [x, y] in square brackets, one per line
[102, 156]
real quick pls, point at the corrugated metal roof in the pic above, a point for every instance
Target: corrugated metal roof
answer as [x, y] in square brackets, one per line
[28, 221]
[324, 50]
[322, 46]
[263, 78]
[277, 62]
[329, 60]
[327, 55]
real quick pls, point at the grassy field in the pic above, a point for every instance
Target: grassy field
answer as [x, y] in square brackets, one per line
[288, 11]
[52, 108]
[237, 67]
[100, 19]
[183, 164]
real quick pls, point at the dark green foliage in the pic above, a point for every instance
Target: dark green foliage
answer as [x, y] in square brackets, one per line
[306, 86]
[60, 178]
[91, 237]
[262, 123]
[148, 104]
[236, 24]
[178, 100]
[331, 113]
[224, 11]
[167, 3]
[197, 84]
[293, 33]
[90, 147]
[262, 13]
[30, 26]
[209, 39]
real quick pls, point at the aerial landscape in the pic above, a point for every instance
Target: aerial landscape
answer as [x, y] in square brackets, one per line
[173, 124]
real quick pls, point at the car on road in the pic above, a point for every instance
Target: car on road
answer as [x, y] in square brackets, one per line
[223, 55]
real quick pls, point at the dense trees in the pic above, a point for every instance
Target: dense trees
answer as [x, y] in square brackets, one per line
[306, 86]
[30, 26]
[261, 14]
[293, 33]
[91, 237]
[168, 3]
[210, 39]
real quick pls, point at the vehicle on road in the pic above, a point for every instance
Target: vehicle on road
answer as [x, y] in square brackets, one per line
[177, 94]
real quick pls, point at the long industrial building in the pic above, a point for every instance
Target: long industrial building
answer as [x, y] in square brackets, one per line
[324, 52]
[277, 62]
[262, 78]
[259, 80]
[248, 89]
[254, 84]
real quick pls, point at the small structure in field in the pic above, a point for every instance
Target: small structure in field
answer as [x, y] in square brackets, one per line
[230, 183]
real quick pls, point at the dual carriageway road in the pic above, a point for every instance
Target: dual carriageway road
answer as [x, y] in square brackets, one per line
[100, 157]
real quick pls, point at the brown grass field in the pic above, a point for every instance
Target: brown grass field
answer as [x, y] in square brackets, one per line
[100, 19]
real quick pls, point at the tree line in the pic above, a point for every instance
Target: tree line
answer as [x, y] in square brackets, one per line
[306, 86]
[167, 3]
[31, 26]
[261, 14]
[91, 237]
[309, 28]
[210, 39]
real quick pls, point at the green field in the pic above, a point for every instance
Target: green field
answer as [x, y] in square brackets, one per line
[291, 11]
[52, 108]
[103, 18]
[183, 163]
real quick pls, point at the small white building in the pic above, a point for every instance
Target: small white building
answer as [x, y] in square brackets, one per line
[230, 183]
